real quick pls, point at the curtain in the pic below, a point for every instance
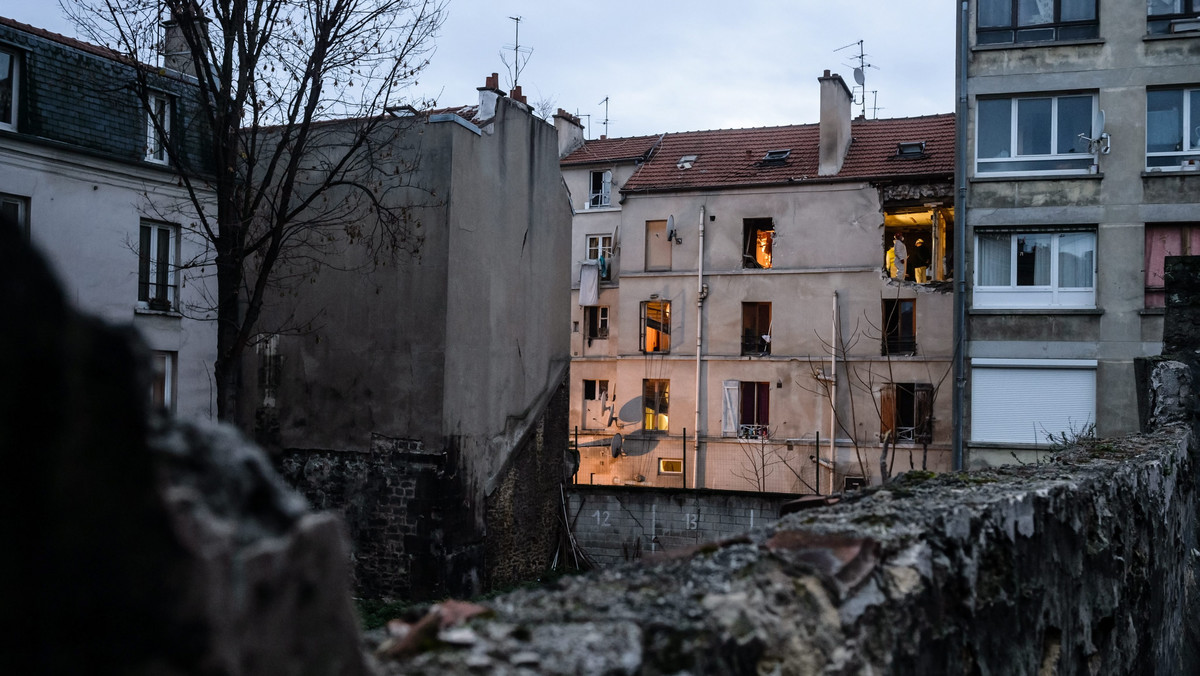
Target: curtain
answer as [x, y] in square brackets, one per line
[1076, 253]
[995, 260]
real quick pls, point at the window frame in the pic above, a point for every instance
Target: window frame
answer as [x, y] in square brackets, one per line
[664, 328]
[911, 403]
[898, 338]
[159, 108]
[595, 322]
[1189, 135]
[754, 255]
[1033, 296]
[1039, 396]
[597, 245]
[152, 274]
[1053, 163]
[656, 417]
[662, 464]
[752, 341]
[14, 89]
[1162, 24]
[1185, 238]
[1055, 30]
[600, 192]
[164, 378]
[17, 207]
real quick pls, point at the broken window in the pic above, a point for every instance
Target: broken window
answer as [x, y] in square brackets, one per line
[756, 328]
[656, 326]
[596, 409]
[601, 190]
[599, 251]
[1162, 240]
[156, 266]
[595, 319]
[162, 386]
[899, 326]
[906, 412]
[654, 404]
[658, 246]
[758, 238]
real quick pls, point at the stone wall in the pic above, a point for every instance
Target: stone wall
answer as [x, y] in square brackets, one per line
[617, 524]
[1083, 565]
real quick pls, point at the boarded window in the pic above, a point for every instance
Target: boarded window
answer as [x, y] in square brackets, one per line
[658, 247]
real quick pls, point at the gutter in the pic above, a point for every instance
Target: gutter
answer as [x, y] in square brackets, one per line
[960, 229]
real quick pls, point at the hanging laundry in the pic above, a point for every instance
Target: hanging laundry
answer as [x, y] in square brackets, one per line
[603, 265]
[589, 283]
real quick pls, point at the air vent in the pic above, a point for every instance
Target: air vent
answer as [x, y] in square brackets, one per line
[910, 149]
[686, 162]
[776, 156]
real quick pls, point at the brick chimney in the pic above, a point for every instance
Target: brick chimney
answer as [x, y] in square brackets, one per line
[835, 124]
[489, 94]
[517, 96]
[570, 132]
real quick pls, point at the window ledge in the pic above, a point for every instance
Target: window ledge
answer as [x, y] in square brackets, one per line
[1084, 176]
[1036, 45]
[1038, 311]
[1152, 312]
[158, 313]
[1172, 173]
[1170, 36]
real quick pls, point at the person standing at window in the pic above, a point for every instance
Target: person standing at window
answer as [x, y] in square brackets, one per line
[920, 261]
[899, 256]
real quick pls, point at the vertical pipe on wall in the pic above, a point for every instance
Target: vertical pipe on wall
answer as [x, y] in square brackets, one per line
[960, 227]
[699, 341]
[832, 397]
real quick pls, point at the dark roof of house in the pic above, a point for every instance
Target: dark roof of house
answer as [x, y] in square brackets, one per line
[604, 150]
[735, 157]
[62, 39]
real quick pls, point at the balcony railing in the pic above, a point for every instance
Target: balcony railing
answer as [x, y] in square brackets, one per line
[752, 431]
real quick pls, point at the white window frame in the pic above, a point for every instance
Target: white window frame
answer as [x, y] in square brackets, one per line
[158, 114]
[662, 464]
[597, 245]
[1050, 164]
[1037, 411]
[14, 87]
[601, 322]
[1012, 296]
[148, 278]
[598, 199]
[1189, 155]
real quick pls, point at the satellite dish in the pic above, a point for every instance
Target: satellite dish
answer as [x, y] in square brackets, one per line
[858, 76]
[616, 445]
[1100, 124]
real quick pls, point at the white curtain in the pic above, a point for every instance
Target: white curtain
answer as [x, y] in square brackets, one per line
[995, 260]
[1076, 252]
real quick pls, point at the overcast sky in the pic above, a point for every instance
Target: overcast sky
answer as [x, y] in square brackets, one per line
[668, 65]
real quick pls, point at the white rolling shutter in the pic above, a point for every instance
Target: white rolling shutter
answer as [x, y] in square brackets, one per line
[1022, 404]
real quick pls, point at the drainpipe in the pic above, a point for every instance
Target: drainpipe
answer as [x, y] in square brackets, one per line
[960, 228]
[701, 294]
[832, 397]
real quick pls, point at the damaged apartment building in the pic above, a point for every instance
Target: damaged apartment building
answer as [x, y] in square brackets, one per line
[428, 404]
[1081, 154]
[734, 321]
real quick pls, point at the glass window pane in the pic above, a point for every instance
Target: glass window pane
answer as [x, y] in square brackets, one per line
[995, 13]
[6, 87]
[1076, 251]
[1194, 118]
[995, 128]
[1074, 118]
[1164, 121]
[995, 260]
[1157, 7]
[1033, 126]
[1033, 260]
[1034, 12]
[1078, 10]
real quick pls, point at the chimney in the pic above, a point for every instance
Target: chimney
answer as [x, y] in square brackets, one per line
[835, 124]
[489, 94]
[570, 132]
[517, 96]
[176, 53]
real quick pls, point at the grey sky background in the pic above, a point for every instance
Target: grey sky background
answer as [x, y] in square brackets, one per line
[668, 65]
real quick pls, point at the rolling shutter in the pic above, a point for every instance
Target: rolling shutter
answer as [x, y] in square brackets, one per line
[1022, 405]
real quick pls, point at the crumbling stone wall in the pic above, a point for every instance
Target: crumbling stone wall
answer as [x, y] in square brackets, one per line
[615, 524]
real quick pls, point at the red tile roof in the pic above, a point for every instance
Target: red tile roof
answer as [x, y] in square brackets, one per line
[612, 150]
[733, 157]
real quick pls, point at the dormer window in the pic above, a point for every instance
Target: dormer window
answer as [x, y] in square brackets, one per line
[776, 156]
[8, 90]
[910, 150]
[686, 162]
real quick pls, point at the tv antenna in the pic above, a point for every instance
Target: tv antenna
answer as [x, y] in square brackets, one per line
[518, 63]
[588, 126]
[605, 102]
[860, 74]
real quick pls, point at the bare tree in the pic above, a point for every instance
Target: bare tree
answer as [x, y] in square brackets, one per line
[269, 75]
[759, 458]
